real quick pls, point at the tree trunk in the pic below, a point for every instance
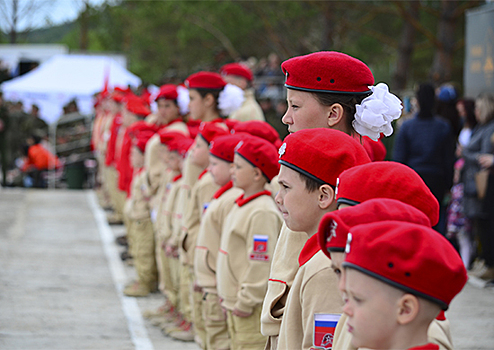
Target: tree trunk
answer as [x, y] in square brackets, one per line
[84, 21]
[15, 14]
[405, 49]
[442, 67]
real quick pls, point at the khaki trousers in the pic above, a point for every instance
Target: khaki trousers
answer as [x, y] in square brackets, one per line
[144, 252]
[245, 332]
[197, 320]
[184, 292]
[172, 289]
[117, 197]
[215, 324]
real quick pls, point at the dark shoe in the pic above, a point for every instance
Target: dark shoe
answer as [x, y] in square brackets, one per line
[122, 240]
[125, 255]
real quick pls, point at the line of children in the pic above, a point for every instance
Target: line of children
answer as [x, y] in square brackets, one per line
[219, 236]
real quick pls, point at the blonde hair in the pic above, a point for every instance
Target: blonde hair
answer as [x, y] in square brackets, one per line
[484, 108]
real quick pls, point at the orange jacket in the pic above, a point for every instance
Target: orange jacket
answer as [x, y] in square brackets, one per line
[40, 158]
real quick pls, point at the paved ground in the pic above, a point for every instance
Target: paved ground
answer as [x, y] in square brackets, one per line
[61, 282]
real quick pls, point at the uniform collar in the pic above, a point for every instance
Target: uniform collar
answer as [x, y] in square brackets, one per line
[242, 201]
[310, 249]
[223, 190]
[176, 178]
[429, 346]
[202, 174]
[178, 120]
[441, 316]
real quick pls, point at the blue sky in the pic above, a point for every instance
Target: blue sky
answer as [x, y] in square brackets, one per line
[51, 12]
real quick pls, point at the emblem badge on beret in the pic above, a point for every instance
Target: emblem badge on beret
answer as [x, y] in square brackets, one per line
[348, 242]
[282, 150]
[336, 189]
[332, 230]
[239, 145]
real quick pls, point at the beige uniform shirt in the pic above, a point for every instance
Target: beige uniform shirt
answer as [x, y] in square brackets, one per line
[201, 195]
[283, 270]
[250, 232]
[163, 211]
[209, 237]
[138, 205]
[314, 291]
[439, 332]
[250, 109]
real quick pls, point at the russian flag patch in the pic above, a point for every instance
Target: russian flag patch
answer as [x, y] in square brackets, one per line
[260, 244]
[324, 327]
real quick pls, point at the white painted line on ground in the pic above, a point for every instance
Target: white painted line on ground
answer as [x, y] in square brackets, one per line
[130, 308]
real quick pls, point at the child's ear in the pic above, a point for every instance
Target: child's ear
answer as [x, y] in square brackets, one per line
[258, 174]
[326, 196]
[408, 308]
[335, 114]
[209, 100]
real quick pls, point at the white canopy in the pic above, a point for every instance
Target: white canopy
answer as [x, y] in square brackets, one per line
[63, 78]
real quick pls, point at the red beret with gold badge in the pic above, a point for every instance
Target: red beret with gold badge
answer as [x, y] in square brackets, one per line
[223, 147]
[413, 258]
[387, 180]
[237, 69]
[260, 129]
[261, 154]
[321, 154]
[167, 92]
[205, 80]
[334, 226]
[327, 71]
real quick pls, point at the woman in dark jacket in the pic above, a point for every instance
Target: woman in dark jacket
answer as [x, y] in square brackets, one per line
[478, 154]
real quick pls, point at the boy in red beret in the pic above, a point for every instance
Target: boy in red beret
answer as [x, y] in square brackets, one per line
[172, 158]
[383, 180]
[168, 234]
[239, 75]
[311, 161]
[141, 233]
[200, 194]
[396, 278]
[248, 239]
[221, 154]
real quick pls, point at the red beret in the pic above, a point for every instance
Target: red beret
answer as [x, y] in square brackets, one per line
[180, 145]
[334, 226]
[137, 105]
[167, 135]
[327, 71]
[141, 138]
[118, 96]
[411, 257]
[261, 154]
[209, 130]
[387, 180]
[238, 70]
[168, 92]
[321, 154]
[205, 80]
[141, 126]
[260, 129]
[223, 147]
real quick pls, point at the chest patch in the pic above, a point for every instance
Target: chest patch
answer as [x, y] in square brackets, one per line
[324, 327]
[260, 244]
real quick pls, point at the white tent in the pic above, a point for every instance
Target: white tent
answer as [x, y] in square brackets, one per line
[63, 78]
